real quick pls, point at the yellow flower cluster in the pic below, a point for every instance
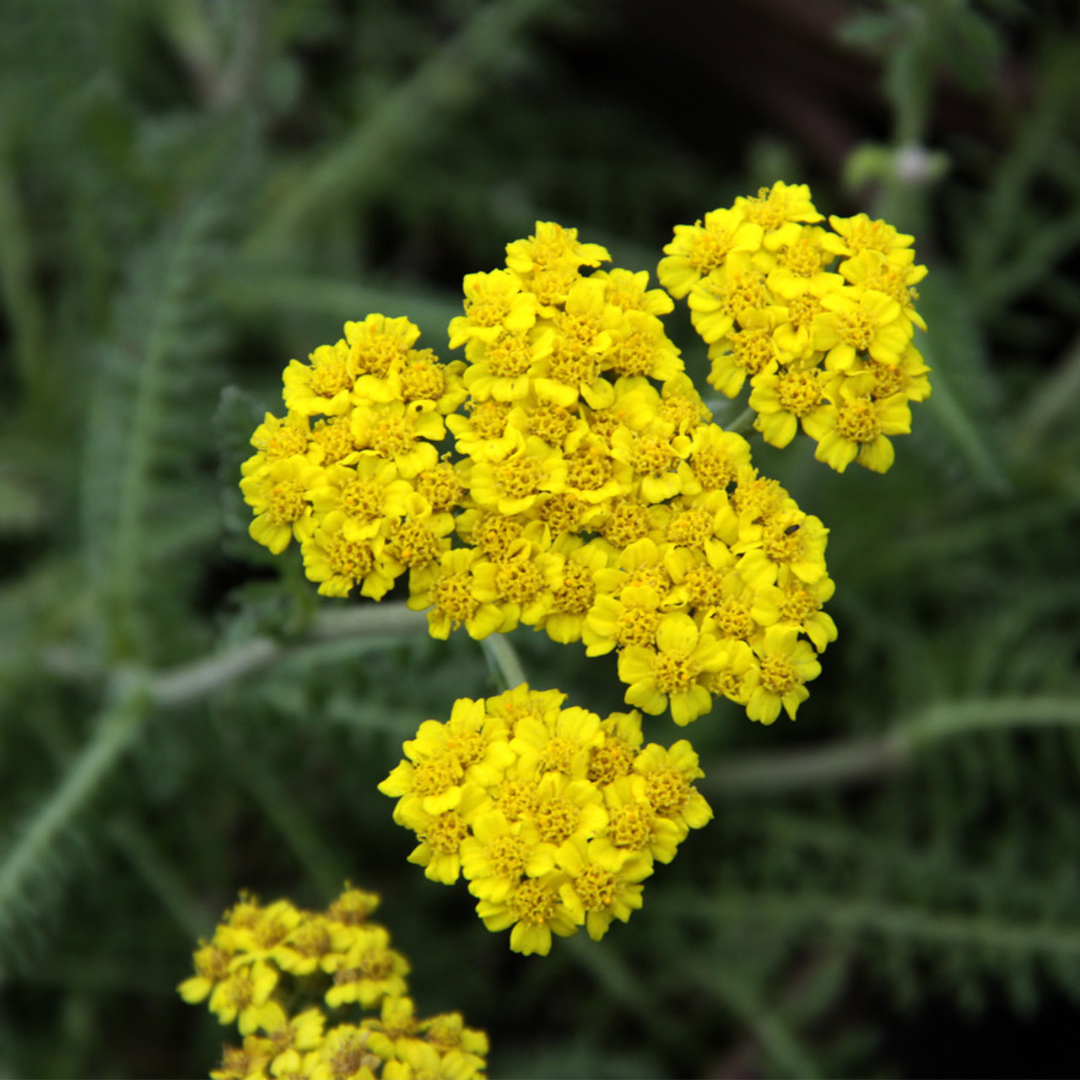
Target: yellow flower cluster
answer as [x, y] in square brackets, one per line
[266, 968]
[589, 494]
[825, 347]
[352, 471]
[554, 816]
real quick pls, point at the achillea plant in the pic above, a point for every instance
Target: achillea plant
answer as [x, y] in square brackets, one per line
[284, 975]
[566, 475]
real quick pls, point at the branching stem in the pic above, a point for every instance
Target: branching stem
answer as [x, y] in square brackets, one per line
[860, 760]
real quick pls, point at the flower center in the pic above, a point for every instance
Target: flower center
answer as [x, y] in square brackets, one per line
[571, 365]
[286, 503]
[855, 328]
[551, 422]
[440, 487]
[287, 441]
[587, 470]
[517, 799]
[627, 522]
[335, 438]
[637, 626]
[799, 392]
[578, 590]
[489, 418]
[509, 357]
[753, 350]
[610, 761]
[668, 791]
[691, 528]
[349, 560]
[518, 477]
[507, 855]
[392, 436]
[674, 674]
[453, 594]
[329, 378]
[435, 776]
[651, 456]
[423, 378]
[778, 675]
[802, 309]
[713, 468]
[445, 833]
[631, 826]
[558, 756]
[858, 421]
[375, 355]
[562, 513]
[704, 586]
[487, 307]
[596, 888]
[361, 498]
[412, 543]
[557, 819]
[494, 534]
[533, 902]
[734, 620]
[709, 248]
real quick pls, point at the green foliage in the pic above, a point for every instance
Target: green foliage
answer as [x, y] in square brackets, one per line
[190, 194]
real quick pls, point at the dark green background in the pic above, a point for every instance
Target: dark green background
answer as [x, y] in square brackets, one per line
[192, 193]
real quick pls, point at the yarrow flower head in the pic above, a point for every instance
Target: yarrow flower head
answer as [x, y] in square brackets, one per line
[552, 815]
[819, 322]
[283, 974]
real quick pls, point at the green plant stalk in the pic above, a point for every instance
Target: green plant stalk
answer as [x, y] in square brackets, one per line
[861, 760]
[743, 422]
[192, 682]
[126, 568]
[503, 659]
[890, 919]
[120, 725]
[114, 733]
[995, 287]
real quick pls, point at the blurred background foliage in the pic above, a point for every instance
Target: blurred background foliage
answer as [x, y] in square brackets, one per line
[194, 191]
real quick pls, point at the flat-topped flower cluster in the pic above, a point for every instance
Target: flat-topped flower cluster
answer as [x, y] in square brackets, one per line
[554, 816]
[825, 347]
[283, 975]
[566, 475]
[587, 492]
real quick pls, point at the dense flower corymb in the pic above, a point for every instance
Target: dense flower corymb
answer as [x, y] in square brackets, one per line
[554, 816]
[565, 474]
[283, 974]
[819, 322]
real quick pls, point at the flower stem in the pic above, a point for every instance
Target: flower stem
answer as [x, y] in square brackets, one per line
[188, 683]
[861, 760]
[504, 661]
[743, 422]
